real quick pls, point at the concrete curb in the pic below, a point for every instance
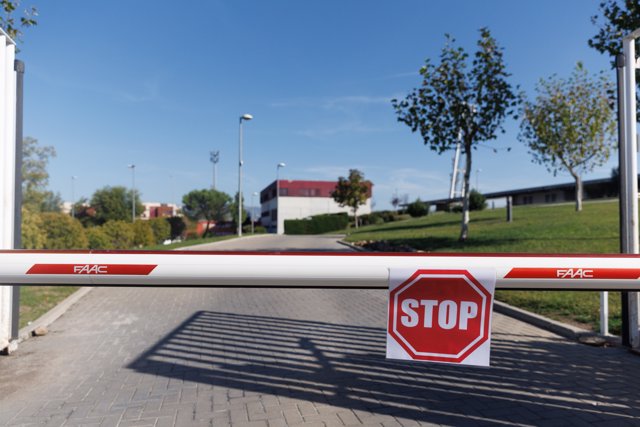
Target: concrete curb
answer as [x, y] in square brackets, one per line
[349, 245]
[52, 315]
[195, 246]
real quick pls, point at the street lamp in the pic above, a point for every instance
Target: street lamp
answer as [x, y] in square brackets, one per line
[243, 117]
[133, 192]
[73, 197]
[253, 211]
[280, 165]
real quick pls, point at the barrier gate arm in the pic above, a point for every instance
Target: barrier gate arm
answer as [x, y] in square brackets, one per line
[308, 269]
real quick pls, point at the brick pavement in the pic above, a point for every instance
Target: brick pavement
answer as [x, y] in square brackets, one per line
[255, 357]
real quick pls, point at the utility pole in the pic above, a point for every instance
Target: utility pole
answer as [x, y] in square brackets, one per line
[214, 157]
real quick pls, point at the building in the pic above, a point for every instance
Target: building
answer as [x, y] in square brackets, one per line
[556, 193]
[159, 210]
[285, 199]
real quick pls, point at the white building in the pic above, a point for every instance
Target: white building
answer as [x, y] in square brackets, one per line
[285, 199]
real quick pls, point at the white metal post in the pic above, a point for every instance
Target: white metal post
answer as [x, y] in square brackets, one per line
[7, 176]
[631, 164]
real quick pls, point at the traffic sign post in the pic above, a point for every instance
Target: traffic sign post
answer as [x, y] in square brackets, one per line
[441, 315]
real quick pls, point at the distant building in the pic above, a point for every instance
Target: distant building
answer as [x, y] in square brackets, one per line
[556, 193]
[159, 210]
[299, 200]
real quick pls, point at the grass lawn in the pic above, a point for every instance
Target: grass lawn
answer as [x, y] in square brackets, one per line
[37, 300]
[535, 229]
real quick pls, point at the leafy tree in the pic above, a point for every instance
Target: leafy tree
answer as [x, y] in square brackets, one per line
[395, 202]
[161, 229]
[477, 201]
[114, 204]
[62, 232]
[142, 234]
[618, 19]
[208, 204]
[418, 208]
[570, 125]
[352, 191]
[13, 25]
[35, 178]
[120, 234]
[453, 100]
[98, 239]
[33, 236]
[177, 225]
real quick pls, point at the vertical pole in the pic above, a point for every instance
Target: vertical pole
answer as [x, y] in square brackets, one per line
[622, 192]
[604, 313]
[631, 176]
[17, 225]
[509, 209]
[240, 180]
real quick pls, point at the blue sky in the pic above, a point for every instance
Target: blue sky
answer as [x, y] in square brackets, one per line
[160, 84]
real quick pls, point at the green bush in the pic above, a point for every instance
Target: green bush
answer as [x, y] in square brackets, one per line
[317, 224]
[418, 208]
[33, 236]
[161, 229]
[62, 232]
[120, 234]
[477, 201]
[98, 239]
[142, 234]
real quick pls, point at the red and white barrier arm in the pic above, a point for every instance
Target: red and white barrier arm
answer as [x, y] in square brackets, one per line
[308, 269]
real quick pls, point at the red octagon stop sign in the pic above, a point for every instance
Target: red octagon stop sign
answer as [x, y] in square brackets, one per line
[440, 315]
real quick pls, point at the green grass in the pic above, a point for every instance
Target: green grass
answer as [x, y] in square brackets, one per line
[37, 300]
[535, 229]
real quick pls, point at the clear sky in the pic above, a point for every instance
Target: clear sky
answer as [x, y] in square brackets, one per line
[160, 84]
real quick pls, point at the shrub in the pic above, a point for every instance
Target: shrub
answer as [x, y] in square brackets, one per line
[120, 234]
[142, 234]
[98, 239]
[62, 232]
[161, 229]
[418, 208]
[477, 201]
[33, 236]
[317, 224]
[177, 226]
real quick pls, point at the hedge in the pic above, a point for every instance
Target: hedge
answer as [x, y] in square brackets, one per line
[317, 224]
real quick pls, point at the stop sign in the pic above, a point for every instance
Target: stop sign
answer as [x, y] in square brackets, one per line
[440, 315]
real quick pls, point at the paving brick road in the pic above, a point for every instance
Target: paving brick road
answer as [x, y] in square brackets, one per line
[276, 357]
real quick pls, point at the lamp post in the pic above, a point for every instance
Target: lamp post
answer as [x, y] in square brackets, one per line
[214, 157]
[243, 117]
[280, 165]
[133, 192]
[73, 196]
[253, 211]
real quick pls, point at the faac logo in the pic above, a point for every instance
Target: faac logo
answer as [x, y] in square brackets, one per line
[574, 273]
[90, 269]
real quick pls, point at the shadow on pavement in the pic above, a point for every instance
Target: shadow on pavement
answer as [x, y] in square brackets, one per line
[531, 382]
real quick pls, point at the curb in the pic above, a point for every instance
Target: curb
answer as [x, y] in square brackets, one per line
[193, 247]
[52, 315]
[349, 245]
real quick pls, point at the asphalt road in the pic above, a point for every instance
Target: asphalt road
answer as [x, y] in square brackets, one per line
[287, 357]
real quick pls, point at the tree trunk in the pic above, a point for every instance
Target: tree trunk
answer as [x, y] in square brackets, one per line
[578, 180]
[464, 231]
[355, 216]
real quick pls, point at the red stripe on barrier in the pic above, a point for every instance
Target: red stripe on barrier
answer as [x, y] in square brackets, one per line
[94, 269]
[574, 273]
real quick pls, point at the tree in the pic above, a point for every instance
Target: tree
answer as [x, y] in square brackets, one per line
[618, 19]
[177, 226]
[62, 232]
[35, 178]
[120, 234]
[9, 23]
[161, 229]
[570, 125]
[208, 204]
[142, 234]
[418, 208]
[352, 191]
[98, 239]
[32, 232]
[477, 201]
[453, 102]
[114, 204]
